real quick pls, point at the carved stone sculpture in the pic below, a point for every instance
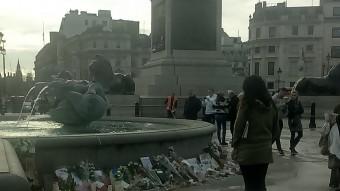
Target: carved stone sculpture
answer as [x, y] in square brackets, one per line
[323, 86]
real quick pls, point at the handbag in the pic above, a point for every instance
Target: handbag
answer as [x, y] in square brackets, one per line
[324, 139]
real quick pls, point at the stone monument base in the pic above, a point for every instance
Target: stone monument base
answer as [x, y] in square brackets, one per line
[180, 74]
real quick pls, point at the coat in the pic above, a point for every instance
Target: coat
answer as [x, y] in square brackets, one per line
[295, 110]
[262, 131]
[191, 107]
[233, 106]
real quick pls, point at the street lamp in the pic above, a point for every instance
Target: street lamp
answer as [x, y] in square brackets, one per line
[279, 71]
[328, 62]
[3, 52]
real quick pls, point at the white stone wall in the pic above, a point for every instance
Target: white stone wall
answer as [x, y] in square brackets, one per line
[74, 23]
[330, 22]
[292, 54]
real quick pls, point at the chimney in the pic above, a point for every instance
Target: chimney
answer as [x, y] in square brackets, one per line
[258, 6]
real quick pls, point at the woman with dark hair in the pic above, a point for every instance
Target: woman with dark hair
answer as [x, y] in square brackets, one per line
[255, 130]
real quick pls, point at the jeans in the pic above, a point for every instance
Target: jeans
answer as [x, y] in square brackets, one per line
[221, 122]
[232, 124]
[335, 178]
[171, 115]
[278, 141]
[254, 177]
[210, 118]
[295, 140]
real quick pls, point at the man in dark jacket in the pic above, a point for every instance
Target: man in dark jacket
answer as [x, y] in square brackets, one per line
[192, 106]
[295, 110]
[233, 108]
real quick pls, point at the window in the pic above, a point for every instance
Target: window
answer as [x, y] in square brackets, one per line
[272, 32]
[86, 22]
[105, 23]
[270, 85]
[311, 30]
[336, 32]
[249, 34]
[106, 45]
[94, 44]
[335, 51]
[292, 84]
[310, 48]
[336, 11]
[258, 33]
[257, 50]
[271, 68]
[257, 68]
[295, 30]
[271, 49]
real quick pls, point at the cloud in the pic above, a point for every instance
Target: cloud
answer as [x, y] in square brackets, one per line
[22, 20]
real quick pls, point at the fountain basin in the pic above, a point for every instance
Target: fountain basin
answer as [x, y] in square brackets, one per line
[108, 150]
[12, 175]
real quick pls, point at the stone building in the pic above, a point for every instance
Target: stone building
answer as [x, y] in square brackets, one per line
[235, 52]
[82, 36]
[287, 43]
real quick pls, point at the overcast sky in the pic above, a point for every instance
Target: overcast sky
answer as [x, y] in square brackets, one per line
[22, 20]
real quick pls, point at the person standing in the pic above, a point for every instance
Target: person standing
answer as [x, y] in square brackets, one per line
[192, 106]
[295, 110]
[254, 132]
[233, 107]
[208, 103]
[334, 148]
[171, 106]
[281, 105]
[221, 112]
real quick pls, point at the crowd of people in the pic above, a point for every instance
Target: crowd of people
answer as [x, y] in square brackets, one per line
[256, 122]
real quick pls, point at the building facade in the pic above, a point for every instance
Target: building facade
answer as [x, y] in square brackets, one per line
[235, 52]
[82, 36]
[287, 43]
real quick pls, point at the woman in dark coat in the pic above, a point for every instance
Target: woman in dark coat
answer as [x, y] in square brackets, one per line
[256, 128]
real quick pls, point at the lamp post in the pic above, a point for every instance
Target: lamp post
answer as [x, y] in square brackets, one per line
[328, 63]
[3, 52]
[279, 71]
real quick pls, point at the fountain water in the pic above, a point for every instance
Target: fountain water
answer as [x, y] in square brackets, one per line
[23, 104]
[35, 102]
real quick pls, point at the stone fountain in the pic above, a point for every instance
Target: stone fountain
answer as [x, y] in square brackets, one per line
[75, 129]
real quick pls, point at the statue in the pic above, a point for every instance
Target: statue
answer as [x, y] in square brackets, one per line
[113, 83]
[78, 102]
[324, 86]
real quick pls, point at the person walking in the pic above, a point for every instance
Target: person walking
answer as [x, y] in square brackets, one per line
[334, 149]
[221, 112]
[208, 103]
[256, 127]
[171, 105]
[192, 106]
[233, 107]
[295, 110]
[281, 105]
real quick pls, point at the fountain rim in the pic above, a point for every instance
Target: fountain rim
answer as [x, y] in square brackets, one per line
[186, 129]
